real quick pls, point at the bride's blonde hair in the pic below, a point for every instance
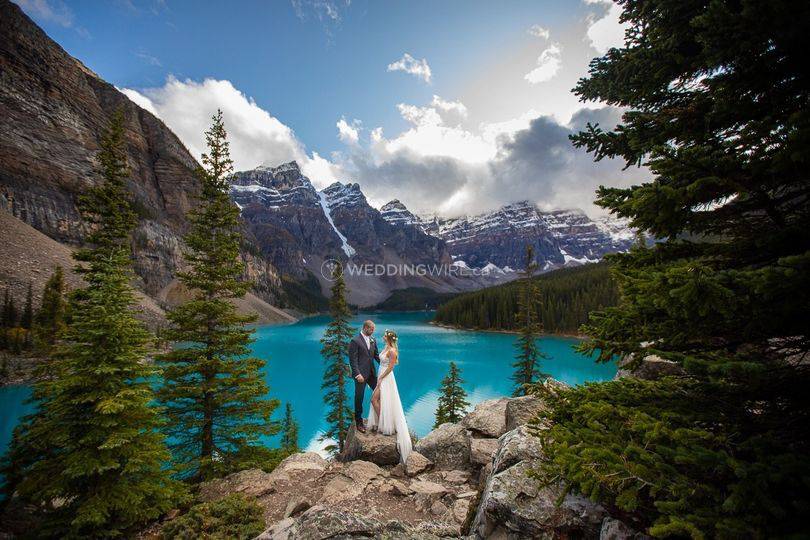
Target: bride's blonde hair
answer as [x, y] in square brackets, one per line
[391, 339]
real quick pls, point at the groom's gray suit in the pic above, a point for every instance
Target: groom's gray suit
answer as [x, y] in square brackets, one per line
[360, 359]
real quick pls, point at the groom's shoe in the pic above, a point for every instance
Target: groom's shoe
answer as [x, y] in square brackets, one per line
[360, 427]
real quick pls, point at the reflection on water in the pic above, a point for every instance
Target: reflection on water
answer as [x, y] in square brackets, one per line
[294, 368]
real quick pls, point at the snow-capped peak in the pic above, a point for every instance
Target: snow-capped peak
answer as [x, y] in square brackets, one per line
[396, 213]
[338, 194]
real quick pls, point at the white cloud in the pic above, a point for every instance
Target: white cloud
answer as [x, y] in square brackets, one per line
[538, 31]
[452, 170]
[412, 66]
[52, 11]
[348, 133]
[548, 64]
[452, 112]
[255, 135]
[606, 32]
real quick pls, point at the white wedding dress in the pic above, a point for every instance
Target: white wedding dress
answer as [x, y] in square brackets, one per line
[392, 418]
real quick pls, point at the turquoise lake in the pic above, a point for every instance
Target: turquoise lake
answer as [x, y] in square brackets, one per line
[294, 368]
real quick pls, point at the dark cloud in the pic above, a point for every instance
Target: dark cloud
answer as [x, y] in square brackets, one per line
[541, 164]
[538, 163]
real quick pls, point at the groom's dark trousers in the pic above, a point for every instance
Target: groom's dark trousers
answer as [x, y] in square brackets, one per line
[361, 360]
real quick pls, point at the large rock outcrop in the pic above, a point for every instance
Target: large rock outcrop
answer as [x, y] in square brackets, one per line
[514, 505]
[447, 446]
[488, 419]
[373, 447]
[53, 113]
[307, 497]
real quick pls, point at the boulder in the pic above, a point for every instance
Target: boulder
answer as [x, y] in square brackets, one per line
[515, 505]
[398, 470]
[363, 472]
[613, 529]
[322, 522]
[482, 450]
[399, 488]
[351, 482]
[438, 508]
[447, 446]
[516, 446]
[252, 482]
[302, 461]
[650, 368]
[488, 418]
[456, 477]
[417, 463]
[522, 410]
[461, 508]
[428, 488]
[373, 447]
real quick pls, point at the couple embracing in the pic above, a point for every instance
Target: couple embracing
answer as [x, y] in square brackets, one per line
[387, 416]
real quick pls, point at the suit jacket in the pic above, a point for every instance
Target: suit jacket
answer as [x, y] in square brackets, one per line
[360, 357]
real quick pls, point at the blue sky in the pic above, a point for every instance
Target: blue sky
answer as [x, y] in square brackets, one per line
[286, 73]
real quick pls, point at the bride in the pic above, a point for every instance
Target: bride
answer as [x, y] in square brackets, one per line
[387, 415]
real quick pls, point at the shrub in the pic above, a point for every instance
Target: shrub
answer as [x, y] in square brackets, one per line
[233, 517]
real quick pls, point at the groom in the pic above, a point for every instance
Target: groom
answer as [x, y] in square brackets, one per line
[362, 349]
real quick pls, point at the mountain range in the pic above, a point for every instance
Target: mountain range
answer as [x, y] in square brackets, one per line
[53, 112]
[298, 228]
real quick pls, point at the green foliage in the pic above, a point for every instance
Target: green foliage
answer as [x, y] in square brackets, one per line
[715, 98]
[414, 299]
[93, 445]
[335, 349]
[9, 316]
[234, 517]
[671, 455]
[49, 322]
[289, 430]
[567, 296]
[27, 318]
[213, 392]
[527, 359]
[452, 398]
[304, 295]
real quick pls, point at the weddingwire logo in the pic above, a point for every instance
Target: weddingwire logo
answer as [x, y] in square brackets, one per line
[331, 269]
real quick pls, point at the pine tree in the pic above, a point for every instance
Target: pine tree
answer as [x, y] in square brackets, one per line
[452, 399]
[5, 316]
[93, 442]
[715, 97]
[213, 392]
[10, 317]
[289, 431]
[335, 348]
[27, 319]
[49, 322]
[527, 359]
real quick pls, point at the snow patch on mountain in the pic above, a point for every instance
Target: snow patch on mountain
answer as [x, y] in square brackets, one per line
[347, 249]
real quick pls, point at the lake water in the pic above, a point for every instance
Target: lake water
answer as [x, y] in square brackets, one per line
[294, 369]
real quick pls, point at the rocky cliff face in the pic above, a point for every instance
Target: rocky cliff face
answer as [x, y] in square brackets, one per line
[53, 112]
[300, 228]
[368, 231]
[283, 212]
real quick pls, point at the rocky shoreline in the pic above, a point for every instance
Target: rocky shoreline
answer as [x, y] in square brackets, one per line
[464, 480]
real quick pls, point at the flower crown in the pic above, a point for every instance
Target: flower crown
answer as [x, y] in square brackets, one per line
[391, 335]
